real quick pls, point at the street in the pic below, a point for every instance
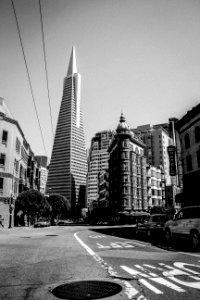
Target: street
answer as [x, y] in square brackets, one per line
[34, 261]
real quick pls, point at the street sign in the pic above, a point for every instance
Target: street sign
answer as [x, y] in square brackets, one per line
[172, 160]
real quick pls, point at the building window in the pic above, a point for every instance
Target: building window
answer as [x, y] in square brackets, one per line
[159, 193]
[21, 172]
[1, 183]
[16, 163]
[198, 158]
[189, 162]
[126, 154]
[4, 137]
[17, 145]
[187, 141]
[2, 159]
[125, 179]
[15, 187]
[197, 134]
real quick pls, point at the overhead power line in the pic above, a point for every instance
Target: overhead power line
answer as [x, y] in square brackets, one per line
[28, 74]
[45, 62]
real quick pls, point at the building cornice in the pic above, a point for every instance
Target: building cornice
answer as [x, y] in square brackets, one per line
[13, 121]
[191, 114]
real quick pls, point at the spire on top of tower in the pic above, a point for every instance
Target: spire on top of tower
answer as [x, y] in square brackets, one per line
[72, 68]
[122, 126]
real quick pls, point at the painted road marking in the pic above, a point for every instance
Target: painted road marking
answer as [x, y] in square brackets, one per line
[187, 275]
[171, 272]
[133, 272]
[184, 266]
[139, 244]
[150, 286]
[102, 246]
[115, 245]
[130, 291]
[168, 284]
[127, 244]
[97, 236]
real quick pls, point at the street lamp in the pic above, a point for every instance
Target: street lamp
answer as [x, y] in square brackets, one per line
[11, 204]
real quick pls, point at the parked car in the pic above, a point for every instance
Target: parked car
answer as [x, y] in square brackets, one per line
[64, 222]
[152, 226]
[42, 223]
[186, 224]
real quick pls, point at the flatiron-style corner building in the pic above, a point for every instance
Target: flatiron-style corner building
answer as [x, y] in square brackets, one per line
[68, 166]
[127, 171]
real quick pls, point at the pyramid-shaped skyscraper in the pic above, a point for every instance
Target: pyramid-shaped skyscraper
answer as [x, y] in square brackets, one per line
[68, 166]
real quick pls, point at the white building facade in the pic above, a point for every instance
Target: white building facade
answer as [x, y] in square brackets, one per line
[97, 161]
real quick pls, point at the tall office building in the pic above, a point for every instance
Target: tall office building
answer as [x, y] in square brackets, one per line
[68, 166]
[157, 140]
[97, 161]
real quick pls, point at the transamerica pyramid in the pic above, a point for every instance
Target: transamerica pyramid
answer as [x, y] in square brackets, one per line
[68, 166]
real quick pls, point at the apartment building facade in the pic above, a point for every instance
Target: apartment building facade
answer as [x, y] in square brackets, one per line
[189, 129]
[42, 162]
[157, 141]
[18, 170]
[127, 171]
[155, 186]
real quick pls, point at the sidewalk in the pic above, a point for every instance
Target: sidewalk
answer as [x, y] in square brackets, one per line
[8, 231]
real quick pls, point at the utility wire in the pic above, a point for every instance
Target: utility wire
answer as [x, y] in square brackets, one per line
[28, 74]
[45, 62]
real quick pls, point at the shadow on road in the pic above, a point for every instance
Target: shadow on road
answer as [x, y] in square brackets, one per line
[129, 232]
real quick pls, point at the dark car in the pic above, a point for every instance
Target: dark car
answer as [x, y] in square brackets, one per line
[152, 226]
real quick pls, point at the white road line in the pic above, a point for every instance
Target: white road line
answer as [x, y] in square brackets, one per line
[115, 245]
[97, 236]
[102, 246]
[168, 284]
[150, 286]
[185, 266]
[133, 272]
[130, 291]
[152, 267]
[138, 244]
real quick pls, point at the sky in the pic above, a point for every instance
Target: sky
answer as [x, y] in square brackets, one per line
[139, 57]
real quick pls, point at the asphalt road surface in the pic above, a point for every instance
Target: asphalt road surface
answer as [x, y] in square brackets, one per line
[36, 261]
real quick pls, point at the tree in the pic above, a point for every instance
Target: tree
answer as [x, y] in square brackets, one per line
[59, 206]
[30, 203]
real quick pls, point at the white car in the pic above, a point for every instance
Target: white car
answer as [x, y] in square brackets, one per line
[186, 224]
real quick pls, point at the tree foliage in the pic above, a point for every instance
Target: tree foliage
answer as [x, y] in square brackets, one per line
[35, 204]
[31, 201]
[59, 206]
[58, 203]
